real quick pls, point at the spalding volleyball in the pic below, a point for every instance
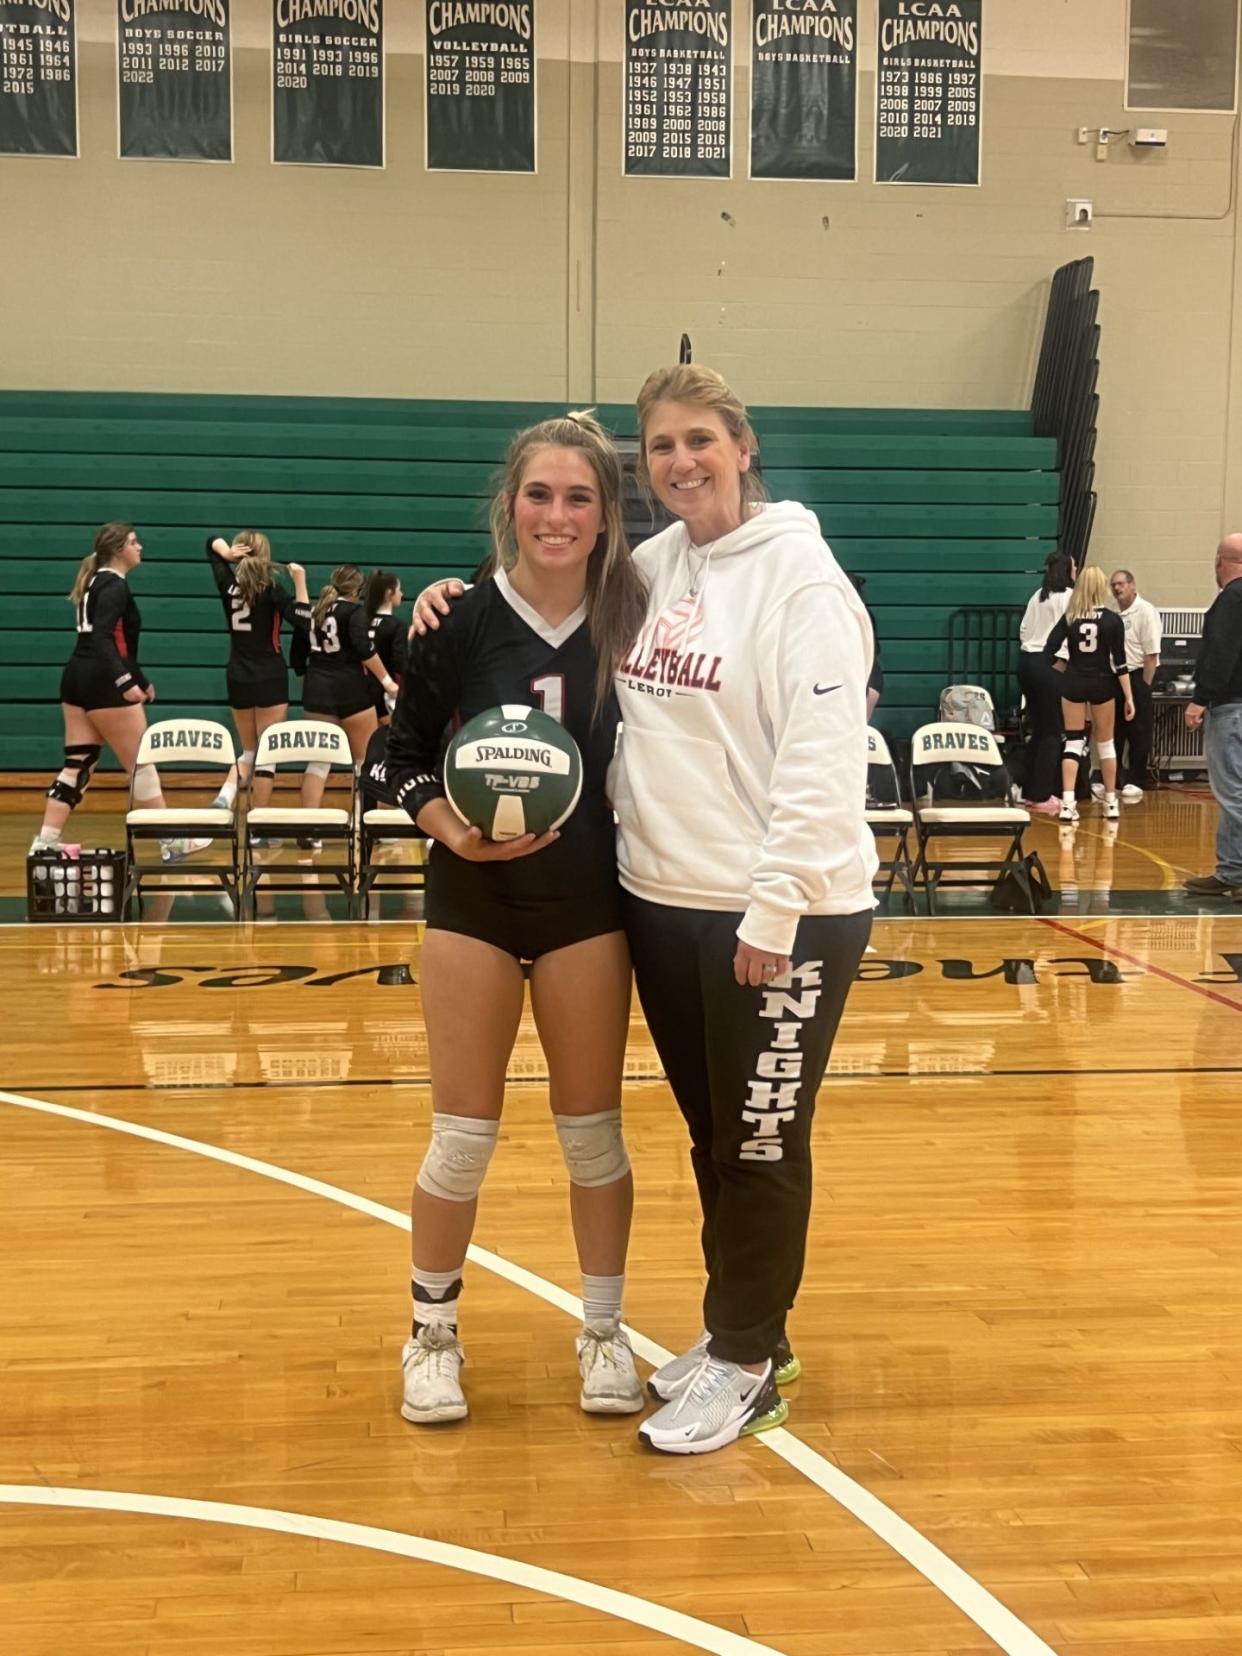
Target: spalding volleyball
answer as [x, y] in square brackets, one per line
[513, 771]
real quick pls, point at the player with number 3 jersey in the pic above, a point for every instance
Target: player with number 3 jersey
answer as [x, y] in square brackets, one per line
[1094, 640]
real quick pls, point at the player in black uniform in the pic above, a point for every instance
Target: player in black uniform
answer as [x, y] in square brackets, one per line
[547, 630]
[257, 679]
[341, 666]
[1095, 640]
[103, 690]
[388, 635]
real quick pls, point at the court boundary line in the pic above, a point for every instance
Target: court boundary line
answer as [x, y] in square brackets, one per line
[940, 1572]
[555, 1584]
[1115, 953]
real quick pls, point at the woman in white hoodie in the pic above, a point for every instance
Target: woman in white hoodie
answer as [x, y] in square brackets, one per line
[739, 789]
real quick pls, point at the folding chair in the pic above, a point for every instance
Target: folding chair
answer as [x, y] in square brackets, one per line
[934, 749]
[383, 823]
[170, 743]
[887, 817]
[299, 742]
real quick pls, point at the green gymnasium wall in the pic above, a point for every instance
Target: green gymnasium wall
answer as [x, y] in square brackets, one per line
[936, 508]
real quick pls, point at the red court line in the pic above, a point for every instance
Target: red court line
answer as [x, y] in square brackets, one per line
[1144, 965]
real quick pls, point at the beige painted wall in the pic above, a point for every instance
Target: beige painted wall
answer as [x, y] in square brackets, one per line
[252, 278]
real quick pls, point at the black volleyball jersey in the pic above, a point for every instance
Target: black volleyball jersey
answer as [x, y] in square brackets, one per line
[254, 628]
[1097, 642]
[341, 641]
[492, 650]
[109, 624]
[388, 642]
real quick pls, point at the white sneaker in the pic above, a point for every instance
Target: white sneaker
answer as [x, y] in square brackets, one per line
[1112, 810]
[431, 1368]
[177, 850]
[1068, 812]
[610, 1383]
[1131, 793]
[721, 1404]
[1097, 790]
[672, 1378]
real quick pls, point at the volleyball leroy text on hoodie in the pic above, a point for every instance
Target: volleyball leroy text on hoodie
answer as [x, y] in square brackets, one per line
[740, 778]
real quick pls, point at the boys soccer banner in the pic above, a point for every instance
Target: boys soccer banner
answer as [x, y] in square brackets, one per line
[678, 89]
[174, 79]
[928, 92]
[38, 78]
[328, 82]
[804, 89]
[480, 98]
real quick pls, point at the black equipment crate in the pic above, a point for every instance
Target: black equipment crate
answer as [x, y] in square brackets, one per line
[66, 890]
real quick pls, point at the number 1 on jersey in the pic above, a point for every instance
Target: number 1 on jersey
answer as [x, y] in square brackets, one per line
[548, 694]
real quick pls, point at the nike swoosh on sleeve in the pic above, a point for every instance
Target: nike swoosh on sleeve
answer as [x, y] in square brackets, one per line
[823, 689]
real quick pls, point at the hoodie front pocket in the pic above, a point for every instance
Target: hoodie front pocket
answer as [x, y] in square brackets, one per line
[682, 822]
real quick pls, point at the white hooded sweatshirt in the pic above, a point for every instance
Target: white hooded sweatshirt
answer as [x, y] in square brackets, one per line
[740, 778]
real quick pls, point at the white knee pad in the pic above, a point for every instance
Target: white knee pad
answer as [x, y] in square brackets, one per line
[1106, 750]
[593, 1148]
[146, 782]
[457, 1157]
[1075, 746]
[319, 767]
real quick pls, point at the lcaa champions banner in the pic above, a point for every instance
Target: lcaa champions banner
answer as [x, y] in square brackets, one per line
[38, 78]
[328, 82]
[928, 92]
[174, 80]
[804, 89]
[678, 89]
[480, 97]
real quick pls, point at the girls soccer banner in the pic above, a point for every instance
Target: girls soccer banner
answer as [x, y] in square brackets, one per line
[678, 89]
[38, 78]
[174, 80]
[804, 89]
[928, 92]
[328, 82]
[480, 99]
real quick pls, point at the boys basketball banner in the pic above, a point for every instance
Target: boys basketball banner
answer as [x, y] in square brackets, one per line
[480, 99]
[38, 78]
[678, 89]
[804, 89]
[174, 80]
[328, 82]
[928, 92]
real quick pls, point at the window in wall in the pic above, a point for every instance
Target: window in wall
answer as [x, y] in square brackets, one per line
[1182, 54]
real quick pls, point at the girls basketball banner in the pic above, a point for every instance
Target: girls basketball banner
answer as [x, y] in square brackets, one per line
[480, 98]
[678, 89]
[928, 92]
[328, 82]
[38, 77]
[804, 89]
[174, 80]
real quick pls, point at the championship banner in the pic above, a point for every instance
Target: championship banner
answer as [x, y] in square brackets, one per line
[804, 89]
[480, 100]
[38, 78]
[928, 92]
[678, 89]
[174, 80]
[328, 82]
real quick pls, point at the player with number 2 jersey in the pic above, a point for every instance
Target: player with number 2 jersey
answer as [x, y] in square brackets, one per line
[255, 605]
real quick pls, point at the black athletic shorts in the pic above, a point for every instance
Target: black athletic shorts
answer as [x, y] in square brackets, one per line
[1092, 688]
[458, 900]
[88, 684]
[339, 699]
[257, 684]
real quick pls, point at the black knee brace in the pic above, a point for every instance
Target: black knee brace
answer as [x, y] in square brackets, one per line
[75, 778]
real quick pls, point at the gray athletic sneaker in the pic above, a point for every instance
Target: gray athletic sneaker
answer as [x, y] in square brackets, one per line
[721, 1404]
[430, 1369]
[673, 1377]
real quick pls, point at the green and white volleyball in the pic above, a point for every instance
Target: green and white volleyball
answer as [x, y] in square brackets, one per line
[513, 771]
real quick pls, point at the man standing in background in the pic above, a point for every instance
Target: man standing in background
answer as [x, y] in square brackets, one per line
[1217, 702]
[1144, 636]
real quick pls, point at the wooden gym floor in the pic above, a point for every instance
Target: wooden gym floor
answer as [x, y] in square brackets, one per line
[1020, 1422]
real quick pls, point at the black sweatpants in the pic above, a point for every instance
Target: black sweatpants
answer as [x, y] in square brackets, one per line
[1133, 738]
[745, 1065]
[1041, 685]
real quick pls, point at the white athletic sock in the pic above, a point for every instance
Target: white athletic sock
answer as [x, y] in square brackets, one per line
[1067, 798]
[1109, 797]
[601, 1301]
[435, 1296]
[224, 799]
[49, 836]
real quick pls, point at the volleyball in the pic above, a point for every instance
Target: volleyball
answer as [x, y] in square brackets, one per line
[513, 771]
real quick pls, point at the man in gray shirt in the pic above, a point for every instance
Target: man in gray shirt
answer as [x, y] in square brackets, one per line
[1217, 705]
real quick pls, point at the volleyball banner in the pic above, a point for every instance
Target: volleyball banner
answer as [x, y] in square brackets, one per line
[804, 90]
[328, 82]
[174, 80]
[929, 92]
[678, 90]
[38, 77]
[480, 98]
